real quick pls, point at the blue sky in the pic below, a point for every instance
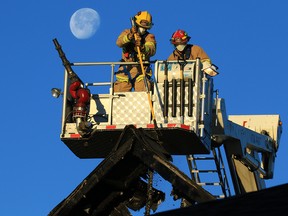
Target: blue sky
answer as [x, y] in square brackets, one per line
[247, 40]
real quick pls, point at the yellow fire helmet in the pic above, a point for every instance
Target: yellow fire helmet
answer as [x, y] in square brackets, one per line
[144, 19]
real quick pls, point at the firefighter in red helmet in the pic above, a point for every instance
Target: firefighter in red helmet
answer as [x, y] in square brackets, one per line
[185, 51]
[131, 76]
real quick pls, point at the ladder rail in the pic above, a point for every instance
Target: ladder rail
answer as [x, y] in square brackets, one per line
[218, 167]
[221, 171]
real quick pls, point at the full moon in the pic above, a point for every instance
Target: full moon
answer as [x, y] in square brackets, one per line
[84, 23]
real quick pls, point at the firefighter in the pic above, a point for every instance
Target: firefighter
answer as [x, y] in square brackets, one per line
[184, 51]
[130, 77]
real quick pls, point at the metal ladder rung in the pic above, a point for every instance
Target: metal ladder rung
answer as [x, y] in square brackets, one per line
[219, 196]
[209, 183]
[200, 158]
[216, 167]
[203, 171]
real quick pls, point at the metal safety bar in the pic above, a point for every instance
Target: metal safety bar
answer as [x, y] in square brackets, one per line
[111, 92]
[198, 124]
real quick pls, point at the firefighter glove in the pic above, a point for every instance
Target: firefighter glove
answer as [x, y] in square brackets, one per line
[137, 40]
[133, 31]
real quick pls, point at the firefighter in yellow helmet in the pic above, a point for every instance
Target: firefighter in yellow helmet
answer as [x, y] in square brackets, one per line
[131, 76]
[185, 51]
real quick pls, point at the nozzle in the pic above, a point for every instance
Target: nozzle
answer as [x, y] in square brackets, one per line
[56, 43]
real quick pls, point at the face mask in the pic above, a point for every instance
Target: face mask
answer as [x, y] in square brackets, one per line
[141, 30]
[180, 47]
